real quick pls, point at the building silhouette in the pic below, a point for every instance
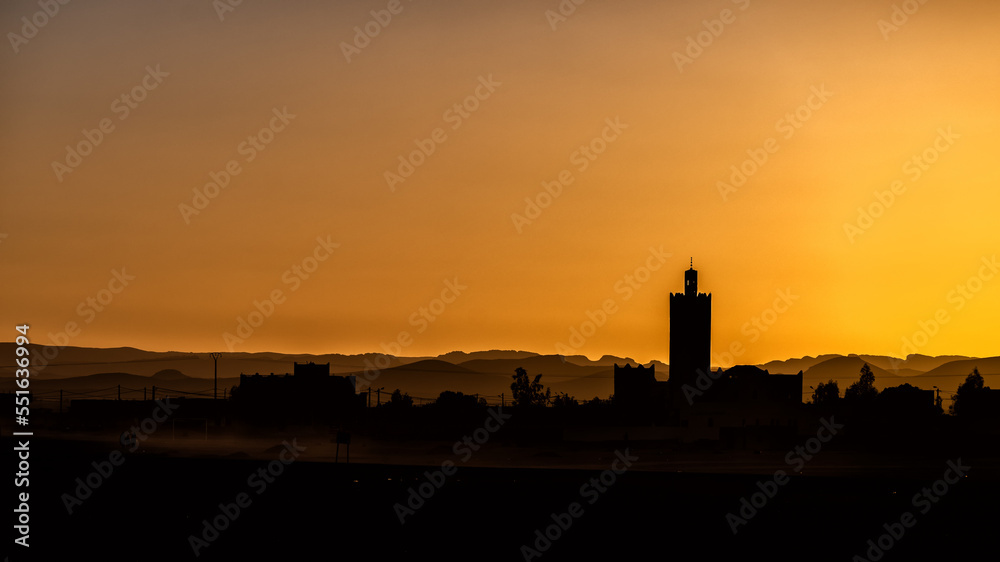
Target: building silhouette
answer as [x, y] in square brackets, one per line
[310, 393]
[636, 388]
[690, 332]
[744, 406]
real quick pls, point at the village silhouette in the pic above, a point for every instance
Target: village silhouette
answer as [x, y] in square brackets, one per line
[725, 461]
[742, 407]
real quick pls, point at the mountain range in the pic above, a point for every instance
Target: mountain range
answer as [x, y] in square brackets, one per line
[97, 372]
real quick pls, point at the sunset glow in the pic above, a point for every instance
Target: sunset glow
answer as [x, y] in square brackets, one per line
[500, 175]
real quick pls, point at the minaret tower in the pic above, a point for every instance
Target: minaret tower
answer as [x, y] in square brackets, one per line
[690, 332]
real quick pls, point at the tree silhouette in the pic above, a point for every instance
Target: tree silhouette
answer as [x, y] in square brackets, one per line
[564, 401]
[967, 392]
[399, 400]
[527, 392]
[826, 393]
[864, 389]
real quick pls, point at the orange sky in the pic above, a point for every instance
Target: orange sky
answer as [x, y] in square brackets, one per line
[838, 103]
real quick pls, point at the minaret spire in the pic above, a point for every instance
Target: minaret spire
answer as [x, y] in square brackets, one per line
[691, 280]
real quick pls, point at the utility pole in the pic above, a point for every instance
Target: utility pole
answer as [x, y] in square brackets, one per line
[119, 392]
[378, 396]
[215, 357]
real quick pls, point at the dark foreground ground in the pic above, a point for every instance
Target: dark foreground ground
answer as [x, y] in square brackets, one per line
[148, 507]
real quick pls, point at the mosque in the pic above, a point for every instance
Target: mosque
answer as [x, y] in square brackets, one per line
[742, 403]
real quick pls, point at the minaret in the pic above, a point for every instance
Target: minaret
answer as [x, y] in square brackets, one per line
[690, 332]
[691, 280]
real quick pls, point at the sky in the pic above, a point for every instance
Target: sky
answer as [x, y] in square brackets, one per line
[417, 177]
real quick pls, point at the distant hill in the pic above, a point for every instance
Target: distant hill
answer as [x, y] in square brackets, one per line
[80, 361]
[426, 379]
[611, 360]
[576, 359]
[458, 357]
[547, 365]
[170, 375]
[600, 384]
[132, 387]
[430, 366]
[963, 367]
[914, 363]
[792, 366]
[662, 369]
[847, 370]
[100, 371]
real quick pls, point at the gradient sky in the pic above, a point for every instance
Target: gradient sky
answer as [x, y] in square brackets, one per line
[891, 94]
